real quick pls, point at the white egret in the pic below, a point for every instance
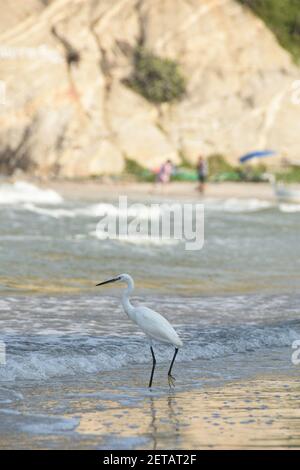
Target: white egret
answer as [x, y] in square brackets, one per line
[154, 325]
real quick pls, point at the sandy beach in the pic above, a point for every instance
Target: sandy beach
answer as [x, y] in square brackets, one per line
[94, 190]
[262, 413]
[259, 413]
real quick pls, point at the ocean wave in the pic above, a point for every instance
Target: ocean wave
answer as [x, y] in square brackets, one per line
[289, 208]
[23, 192]
[141, 211]
[140, 239]
[55, 213]
[96, 210]
[237, 205]
[43, 357]
[31, 198]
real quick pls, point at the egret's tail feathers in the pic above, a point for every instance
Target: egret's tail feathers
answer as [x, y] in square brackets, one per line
[178, 343]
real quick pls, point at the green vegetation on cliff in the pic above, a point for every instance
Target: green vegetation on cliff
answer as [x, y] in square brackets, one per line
[158, 79]
[283, 18]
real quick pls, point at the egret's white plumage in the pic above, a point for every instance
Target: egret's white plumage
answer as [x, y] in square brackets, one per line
[154, 325]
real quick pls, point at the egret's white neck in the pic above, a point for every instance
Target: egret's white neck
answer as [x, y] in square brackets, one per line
[128, 307]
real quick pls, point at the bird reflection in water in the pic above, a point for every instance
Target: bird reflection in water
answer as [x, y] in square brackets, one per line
[166, 425]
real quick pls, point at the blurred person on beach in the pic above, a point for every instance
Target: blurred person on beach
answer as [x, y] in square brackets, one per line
[165, 172]
[202, 171]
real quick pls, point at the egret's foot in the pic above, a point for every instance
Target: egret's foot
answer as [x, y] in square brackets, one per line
[171, 380]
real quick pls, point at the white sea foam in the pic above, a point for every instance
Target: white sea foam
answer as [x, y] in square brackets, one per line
[23, 192]
[58, 356]
[55, 213]
[237, 205]
[95, 211]
[98, 210]
[290, 208]
[142, 239]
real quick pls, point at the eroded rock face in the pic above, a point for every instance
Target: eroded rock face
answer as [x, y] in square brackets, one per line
[68, 113]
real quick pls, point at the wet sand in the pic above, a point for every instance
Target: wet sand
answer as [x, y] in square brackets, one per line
[258, 413]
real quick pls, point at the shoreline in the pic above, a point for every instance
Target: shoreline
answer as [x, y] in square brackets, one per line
[259, 412]
[93, 190]
[254, 413]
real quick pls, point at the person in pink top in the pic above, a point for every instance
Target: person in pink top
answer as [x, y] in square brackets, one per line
[165, 172]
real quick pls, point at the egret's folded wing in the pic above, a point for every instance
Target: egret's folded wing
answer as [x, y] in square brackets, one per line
[156, 326]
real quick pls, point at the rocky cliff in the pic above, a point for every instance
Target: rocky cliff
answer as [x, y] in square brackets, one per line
[65, 110]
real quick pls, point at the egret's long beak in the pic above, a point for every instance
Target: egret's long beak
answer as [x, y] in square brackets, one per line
[114, 279]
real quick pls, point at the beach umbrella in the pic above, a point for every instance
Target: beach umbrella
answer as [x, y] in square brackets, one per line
[257, 154]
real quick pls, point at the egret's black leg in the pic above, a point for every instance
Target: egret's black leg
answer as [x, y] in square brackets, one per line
[153, 366]
[170, 376]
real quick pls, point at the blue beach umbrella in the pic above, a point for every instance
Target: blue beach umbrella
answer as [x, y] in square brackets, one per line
[257, 154]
